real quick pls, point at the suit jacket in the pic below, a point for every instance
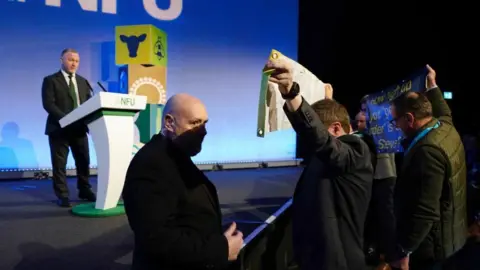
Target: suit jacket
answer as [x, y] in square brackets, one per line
[173, 210]
[368, 139]
[58, 101]
[331, 198]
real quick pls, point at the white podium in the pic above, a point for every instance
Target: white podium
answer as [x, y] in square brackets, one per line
[109, 117]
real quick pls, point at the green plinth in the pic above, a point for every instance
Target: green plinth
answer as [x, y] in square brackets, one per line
[89, 210]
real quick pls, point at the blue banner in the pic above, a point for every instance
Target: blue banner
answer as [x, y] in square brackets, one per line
[387, 137]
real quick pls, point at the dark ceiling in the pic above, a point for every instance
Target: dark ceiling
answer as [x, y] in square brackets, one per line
[362, 46]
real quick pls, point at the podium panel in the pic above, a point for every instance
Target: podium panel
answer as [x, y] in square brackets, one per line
[110, 119]
[114, 152]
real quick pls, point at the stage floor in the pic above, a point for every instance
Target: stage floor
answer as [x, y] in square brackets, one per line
[37, 234]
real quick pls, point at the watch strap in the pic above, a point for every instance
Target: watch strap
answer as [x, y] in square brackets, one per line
[294, 91]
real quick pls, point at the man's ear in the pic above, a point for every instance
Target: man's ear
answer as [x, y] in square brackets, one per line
[410, 118]
[337, 128]
[169, 122]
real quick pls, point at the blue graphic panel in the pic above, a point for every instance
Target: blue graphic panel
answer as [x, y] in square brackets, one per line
[216, 50]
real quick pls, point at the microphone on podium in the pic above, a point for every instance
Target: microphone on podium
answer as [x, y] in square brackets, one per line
[90, 87]
[101, 86]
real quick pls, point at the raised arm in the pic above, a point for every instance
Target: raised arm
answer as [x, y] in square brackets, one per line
[440, 108]
[310, 129]
[48, 99]
[150, 202]
[306, 122]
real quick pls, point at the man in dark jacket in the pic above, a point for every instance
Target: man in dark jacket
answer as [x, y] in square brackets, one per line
[430, 196]
[362, 132]
[63, 92]
[332, 196]
[171, 206]
[380, 224]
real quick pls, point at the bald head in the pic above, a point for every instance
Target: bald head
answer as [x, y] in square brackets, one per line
[410, 112]
[180, 103]
[416, 104]
[185, 117]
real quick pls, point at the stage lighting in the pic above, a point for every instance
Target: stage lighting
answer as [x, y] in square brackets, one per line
[447, 95]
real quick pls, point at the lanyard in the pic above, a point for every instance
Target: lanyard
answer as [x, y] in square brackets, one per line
[421, 135]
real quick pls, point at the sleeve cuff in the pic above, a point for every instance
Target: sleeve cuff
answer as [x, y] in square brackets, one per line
[431, 88]
[220, 249]
[302, 116]
[288, 112]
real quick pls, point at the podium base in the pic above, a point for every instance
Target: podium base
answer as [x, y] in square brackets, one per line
[89, 210]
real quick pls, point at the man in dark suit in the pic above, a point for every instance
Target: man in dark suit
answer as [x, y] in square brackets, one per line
[362, 132]
[380, 224]
[430, 196]
[62, 92]
[172, 207]
[332, 196]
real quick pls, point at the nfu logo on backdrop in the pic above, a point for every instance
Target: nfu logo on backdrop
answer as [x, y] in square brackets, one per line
[110, 7]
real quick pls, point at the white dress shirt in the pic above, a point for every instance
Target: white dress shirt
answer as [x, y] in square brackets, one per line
[74, 80]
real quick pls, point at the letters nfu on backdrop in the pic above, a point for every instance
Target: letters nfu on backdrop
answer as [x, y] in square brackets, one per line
[143, 51]
[270, 105]
[388, 137]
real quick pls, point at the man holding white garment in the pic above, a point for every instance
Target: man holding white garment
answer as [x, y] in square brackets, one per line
[332, 196]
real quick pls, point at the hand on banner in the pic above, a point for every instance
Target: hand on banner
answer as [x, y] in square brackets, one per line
[283, 74]
[328, 91]
[431, 78]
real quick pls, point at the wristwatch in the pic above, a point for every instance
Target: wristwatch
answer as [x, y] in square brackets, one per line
[294, 91]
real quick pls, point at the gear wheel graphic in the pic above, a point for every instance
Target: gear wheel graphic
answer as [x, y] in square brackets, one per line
[162, 94]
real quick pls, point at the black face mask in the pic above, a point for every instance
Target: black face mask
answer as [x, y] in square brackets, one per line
[191, 140]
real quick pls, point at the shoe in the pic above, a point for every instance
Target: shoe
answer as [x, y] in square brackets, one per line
[64, 202]
[87, 195]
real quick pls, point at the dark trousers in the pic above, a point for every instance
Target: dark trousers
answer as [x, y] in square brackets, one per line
[60, 145]
[380, 223]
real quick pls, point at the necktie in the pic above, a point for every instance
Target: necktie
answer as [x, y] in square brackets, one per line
[72, 91]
